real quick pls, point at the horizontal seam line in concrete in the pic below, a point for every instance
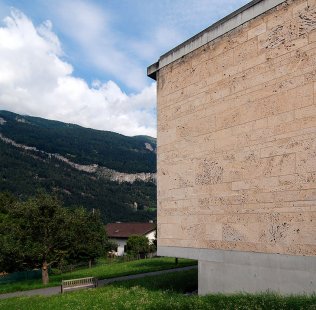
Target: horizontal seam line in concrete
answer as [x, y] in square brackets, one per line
[54, 290]
[234, 256]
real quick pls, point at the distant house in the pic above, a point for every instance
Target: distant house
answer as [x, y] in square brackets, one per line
[119, 233]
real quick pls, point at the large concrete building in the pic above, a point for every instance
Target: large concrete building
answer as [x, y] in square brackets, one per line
[237, 149]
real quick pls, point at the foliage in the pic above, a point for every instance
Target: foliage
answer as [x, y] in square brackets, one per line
[40, 232]
[7, 229]
[159, 292]
[111, 246]
[88, 233]
[138, 245]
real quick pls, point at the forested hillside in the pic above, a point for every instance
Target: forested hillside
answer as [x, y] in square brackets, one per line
[82, 145]
[29, 160]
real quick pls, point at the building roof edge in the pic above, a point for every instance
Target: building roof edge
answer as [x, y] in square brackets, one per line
[244, 14]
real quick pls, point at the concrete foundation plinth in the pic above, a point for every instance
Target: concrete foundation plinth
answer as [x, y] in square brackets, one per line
[223, 271]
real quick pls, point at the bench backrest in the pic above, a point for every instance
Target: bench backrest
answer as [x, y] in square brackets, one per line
[81, 281]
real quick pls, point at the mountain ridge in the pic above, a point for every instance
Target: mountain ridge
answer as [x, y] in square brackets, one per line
[28, 162]
[81, 145]
[93, 168]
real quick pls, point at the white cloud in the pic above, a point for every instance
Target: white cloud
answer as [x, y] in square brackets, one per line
[35, 80]
[119, 39]
[90, 28]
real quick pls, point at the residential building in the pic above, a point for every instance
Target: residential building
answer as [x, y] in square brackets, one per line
[119, 233]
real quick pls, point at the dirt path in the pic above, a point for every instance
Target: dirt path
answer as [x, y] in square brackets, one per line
[54, 290]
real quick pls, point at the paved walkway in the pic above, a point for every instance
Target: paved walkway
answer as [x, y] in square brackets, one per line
[54, 290]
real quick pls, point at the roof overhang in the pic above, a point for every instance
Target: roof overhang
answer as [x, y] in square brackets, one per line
[221, 27]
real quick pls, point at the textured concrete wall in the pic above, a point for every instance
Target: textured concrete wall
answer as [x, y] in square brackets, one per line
[237, 138]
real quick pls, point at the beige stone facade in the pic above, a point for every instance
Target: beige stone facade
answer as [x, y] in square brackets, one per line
[237, 138]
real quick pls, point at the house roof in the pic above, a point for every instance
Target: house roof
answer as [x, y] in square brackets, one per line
[124, 230]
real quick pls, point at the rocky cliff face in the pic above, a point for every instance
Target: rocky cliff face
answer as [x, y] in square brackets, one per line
[125, 177]
[100, 171]
[95, 169]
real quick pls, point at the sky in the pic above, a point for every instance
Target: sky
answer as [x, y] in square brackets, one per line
[85, 61]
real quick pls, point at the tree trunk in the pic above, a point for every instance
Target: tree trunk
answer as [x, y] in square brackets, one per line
[45, 277]
[90, 263]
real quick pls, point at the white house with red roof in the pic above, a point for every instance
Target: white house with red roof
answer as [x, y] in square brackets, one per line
[119, 233]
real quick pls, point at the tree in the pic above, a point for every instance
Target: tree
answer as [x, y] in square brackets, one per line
[9, 246]
[89, 236]
[41, 226]
[40, 232]
[138, 245]
[111, 245]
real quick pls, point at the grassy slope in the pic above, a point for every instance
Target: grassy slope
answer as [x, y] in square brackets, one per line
[159, 292]
[102, 271]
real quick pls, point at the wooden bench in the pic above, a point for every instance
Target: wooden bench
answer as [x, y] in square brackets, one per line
[78, 283]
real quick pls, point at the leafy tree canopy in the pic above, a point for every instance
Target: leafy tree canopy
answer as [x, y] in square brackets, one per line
[40, 232]
[138, 245]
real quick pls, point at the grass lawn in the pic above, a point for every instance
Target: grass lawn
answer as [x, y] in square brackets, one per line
[159, 292]
[102, 271]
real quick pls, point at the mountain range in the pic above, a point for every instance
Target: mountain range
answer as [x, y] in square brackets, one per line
[92, 168]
